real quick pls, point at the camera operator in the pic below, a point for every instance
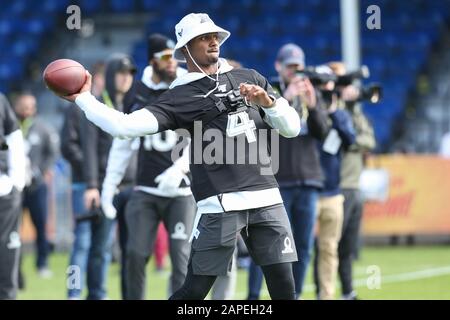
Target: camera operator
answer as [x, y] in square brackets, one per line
[300, 176]
[351, 168]
[330, 205]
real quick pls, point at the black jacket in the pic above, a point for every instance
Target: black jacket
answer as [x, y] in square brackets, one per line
[299, 157]
[96, 143]
[71, 142]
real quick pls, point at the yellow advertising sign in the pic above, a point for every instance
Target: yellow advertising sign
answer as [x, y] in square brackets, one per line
[419, 197]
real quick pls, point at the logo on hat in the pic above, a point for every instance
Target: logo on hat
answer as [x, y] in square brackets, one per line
[180, 33]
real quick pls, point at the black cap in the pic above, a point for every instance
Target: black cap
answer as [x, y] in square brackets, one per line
[127, 64]
[157, 43]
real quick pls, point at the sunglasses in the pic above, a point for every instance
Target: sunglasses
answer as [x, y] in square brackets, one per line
[163, 56]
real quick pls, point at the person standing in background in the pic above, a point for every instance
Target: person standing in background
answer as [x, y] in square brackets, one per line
[330, 208]
[119, 71]
[72, 151]
[12, 181]
[351, 169]
[300, 175]
[41, 148]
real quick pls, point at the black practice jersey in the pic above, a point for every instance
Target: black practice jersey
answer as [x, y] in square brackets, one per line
[181, 106]
[154, 155]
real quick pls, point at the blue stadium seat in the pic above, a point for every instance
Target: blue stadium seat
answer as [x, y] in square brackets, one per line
[11, 69]
[211, 5]
[18, 8]
[165, 26]
[140, 51]
[4, 88]
[7, 27]
[151, 5]
[90, 7]
[36, 26]
[25, 46]
[233, 24]
[55, 6]
[121, 6]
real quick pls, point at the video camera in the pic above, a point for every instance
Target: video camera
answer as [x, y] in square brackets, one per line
[348, 78]
[371, 93]
[315, 77]
[318, 78]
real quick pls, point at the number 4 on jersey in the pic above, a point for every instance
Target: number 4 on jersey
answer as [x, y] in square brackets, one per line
[239, 123]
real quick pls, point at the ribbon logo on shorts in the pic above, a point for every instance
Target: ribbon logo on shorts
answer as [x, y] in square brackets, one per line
[14, 240]
[179, 232]
[287, 246]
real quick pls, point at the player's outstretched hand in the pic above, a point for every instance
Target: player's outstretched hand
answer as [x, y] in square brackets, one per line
[255, 94]
[85, 88]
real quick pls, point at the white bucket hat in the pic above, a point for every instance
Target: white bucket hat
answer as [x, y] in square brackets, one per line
[193, 25]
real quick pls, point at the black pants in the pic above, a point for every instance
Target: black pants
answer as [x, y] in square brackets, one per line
[120, 202]
[143, 214]
[10, 209]
[353, 207]
[279, 279]
[35, 199]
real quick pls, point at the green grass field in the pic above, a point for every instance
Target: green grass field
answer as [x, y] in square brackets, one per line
[406, 273]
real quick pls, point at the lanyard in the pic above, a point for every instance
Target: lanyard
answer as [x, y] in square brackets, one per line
[107, 99]
[25, 126]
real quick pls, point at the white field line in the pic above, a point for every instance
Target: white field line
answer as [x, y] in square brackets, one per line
[392, 278]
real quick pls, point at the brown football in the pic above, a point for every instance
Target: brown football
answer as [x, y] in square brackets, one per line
[64, 76]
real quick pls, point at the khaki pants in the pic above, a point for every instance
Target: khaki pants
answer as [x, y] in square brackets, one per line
[330, 215]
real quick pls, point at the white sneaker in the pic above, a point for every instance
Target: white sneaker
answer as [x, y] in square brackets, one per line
[45, 273]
